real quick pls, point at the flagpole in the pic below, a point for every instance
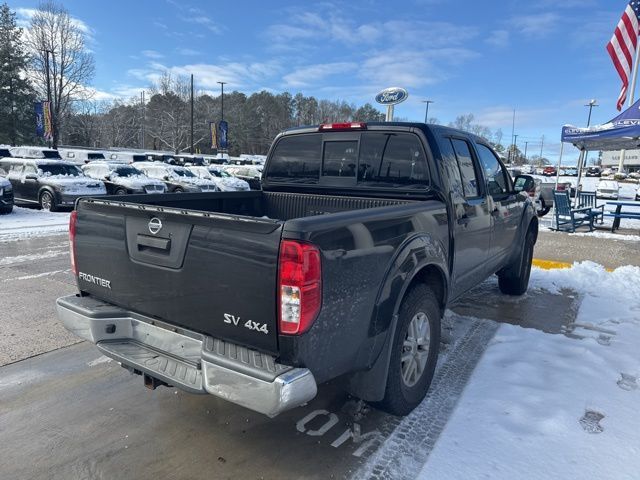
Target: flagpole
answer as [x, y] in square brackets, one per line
[634, 78]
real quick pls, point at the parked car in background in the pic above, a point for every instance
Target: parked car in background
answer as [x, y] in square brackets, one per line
[126, 157]
[223, 180]
[608, 189]
[548, 171]
[6, 196]
[177, 179]
[122, 179]
[161, 157]
[594, 171]
[5, 151]
[532, 186]
[35, 152]
[187, 160]
[249, 174]
[49, 183]
[570, 172]
[80, 156]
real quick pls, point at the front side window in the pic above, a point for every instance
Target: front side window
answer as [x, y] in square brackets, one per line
[340, 159]
[470, 183]
[494, 173]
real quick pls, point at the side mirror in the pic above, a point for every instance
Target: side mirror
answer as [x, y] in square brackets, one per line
[523, 183]
[107, 178]
[166, 178]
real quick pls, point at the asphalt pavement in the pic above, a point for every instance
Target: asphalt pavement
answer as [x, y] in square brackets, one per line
[67, 412]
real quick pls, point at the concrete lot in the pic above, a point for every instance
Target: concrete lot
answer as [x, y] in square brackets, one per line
[71, 413]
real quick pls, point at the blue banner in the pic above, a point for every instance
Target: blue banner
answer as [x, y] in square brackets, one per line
[39, 108]
[223, 130]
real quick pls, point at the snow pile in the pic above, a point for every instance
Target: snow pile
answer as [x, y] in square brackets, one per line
[25, 222]
[554, 406]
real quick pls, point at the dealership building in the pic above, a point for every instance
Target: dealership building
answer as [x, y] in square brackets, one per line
[631, 159]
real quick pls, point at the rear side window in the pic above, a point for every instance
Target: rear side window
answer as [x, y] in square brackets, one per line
[392, 160]
[494, 173]
[468, 173]
[296, 159]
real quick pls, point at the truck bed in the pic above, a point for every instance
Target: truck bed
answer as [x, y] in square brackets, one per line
[223, 244]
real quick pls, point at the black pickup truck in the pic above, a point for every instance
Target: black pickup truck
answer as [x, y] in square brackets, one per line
[339, 268]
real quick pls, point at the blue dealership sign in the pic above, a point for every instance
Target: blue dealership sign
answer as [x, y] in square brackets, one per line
[39, 108]
[392, 96]
[223, 130]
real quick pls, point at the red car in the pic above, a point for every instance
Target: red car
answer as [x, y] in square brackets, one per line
[548, 171]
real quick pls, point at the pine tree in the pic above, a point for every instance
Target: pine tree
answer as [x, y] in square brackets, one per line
[17, 123]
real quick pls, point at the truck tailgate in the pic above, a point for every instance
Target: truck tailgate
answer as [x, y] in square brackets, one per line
[208, 272]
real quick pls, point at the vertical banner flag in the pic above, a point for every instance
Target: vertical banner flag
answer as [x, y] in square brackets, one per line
[622, 47]
[214, 134]
[223, 129]
[39, 119]
[48, 127]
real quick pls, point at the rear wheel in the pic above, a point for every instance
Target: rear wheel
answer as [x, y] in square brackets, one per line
[544, 209]
[178, 190]
[414, 352]
[47, 202]
[514, 279]
[120, 191]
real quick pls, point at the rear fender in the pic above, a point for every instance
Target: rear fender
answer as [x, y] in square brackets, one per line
[418, 253]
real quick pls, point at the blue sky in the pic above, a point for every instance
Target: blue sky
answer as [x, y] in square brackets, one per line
[543, 58]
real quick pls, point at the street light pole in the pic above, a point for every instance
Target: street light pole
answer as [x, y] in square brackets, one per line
[191, 147]
[426, 112]
[222, 84]
[515, 146]
[525, 150]
[591, 104]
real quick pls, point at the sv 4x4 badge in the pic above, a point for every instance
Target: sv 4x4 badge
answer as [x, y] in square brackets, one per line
[250, 324]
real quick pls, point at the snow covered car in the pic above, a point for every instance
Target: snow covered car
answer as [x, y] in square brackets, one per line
[49, 183]
[570, 172]
[6, 196]
[224, 181]
[176, 179]
[608, 189]
[250, 175]
[122, 179]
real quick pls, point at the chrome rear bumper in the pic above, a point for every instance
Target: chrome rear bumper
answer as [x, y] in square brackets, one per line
[186, 359]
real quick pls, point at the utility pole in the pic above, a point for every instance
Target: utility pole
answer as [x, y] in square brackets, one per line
[592, 103]
[525, 150]
[513, 130]
[541, 146]
[191, 148]
[426, 112]
[144, 119]
[515, 146]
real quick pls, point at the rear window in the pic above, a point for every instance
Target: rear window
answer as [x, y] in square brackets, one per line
[296, 159]
[51, 154]
[383, 160]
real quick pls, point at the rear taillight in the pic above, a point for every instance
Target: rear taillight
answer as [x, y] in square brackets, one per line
[299, 286]
[73, 219]
[343, 126]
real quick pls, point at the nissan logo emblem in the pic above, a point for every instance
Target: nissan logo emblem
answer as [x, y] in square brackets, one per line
[155, 225]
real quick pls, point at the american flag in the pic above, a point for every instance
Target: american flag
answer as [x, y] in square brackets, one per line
[623, 44]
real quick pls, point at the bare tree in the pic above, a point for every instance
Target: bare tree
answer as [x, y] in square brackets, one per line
[53, 34]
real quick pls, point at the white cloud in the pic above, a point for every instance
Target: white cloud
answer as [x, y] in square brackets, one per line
[314, 74]
[187, 52]
[498, 38]
[152, 54]
[535, 25]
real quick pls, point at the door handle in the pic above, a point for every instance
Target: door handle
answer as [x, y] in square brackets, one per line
[162, 244]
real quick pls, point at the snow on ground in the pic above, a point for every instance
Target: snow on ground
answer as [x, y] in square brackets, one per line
[27, 222]
[553, 406]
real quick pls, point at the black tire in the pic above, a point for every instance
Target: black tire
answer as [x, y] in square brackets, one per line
[120, 191]
[6, 210]
[400, 398]
[544, 209]
[178, 190]
[514, 279]
[48, 202]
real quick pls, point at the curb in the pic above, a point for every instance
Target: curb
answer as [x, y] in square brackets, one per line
[553, 264]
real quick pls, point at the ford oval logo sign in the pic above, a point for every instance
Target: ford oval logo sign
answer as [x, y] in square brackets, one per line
[155, 225]
[392, 96]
